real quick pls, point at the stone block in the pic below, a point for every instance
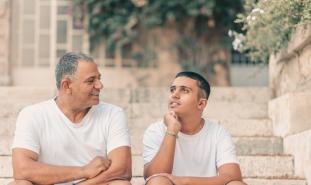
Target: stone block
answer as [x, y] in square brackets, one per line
[299, 146]
[290, 113]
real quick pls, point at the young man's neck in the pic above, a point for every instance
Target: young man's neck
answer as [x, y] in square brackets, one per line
[191, 125]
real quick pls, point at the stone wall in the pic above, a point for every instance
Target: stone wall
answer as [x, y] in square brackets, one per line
[290, 110]
[4, 41]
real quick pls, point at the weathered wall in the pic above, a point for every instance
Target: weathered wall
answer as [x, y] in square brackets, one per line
[290, 110]
[4, 41]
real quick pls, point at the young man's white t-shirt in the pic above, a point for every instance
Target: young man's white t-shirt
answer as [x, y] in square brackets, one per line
[195, 155]
[44, 129]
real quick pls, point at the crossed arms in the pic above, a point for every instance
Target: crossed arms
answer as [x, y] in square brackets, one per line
[99, 170]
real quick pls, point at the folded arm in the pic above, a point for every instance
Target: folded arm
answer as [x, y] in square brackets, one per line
[27, 167]
[120, 167]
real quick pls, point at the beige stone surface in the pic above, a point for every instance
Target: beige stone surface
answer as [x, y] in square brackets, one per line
[275, 181]
[289, 70]
[290, 113]
[299, 145]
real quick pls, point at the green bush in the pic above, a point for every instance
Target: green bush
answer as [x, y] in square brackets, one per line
[268, 25]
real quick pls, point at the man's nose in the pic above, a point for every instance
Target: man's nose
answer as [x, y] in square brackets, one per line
[99, 84]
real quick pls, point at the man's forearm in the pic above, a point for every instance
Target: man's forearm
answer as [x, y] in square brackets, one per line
[113, 173]
[164, 159]
[40, 173]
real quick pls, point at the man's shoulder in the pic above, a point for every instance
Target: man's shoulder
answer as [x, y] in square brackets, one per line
[39, 106]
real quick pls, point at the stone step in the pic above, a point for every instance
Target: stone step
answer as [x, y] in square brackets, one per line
[244, 110]
[36, 93]
[161, 94]
[140, 95]
[5, 181]
[276, 181]
[249, 181]
[274, 166]
[214, 110]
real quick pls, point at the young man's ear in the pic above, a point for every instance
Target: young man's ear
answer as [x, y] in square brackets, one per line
[202, 104]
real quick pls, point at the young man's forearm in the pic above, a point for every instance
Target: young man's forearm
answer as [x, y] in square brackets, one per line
[164, 159]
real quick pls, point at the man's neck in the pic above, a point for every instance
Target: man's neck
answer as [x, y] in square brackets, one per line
[191, 125]
[75, 115]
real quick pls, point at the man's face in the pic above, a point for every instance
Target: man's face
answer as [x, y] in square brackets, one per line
[86, 84]
[184, 97]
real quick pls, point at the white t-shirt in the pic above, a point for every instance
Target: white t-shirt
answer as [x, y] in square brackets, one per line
[44, 129]
[195, 155]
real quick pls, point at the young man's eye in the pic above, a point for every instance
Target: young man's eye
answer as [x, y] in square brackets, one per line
[172, 90]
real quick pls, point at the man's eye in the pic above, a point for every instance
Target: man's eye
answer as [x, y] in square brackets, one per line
[185, 90]
[172, 90]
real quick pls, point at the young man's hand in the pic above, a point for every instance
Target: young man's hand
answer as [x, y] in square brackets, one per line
[97, 165]
[171, 122]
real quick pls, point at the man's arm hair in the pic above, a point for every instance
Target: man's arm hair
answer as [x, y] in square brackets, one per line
[27, 167]
[120, 168]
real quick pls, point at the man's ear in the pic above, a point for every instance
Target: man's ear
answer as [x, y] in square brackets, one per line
[65, 85]
[202, 103]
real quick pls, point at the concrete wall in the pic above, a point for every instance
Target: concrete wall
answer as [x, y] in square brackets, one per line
[290, 110]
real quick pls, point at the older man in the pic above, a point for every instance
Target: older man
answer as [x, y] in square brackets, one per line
[72, 138]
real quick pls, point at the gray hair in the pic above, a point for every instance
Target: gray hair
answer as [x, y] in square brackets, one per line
[68, 64]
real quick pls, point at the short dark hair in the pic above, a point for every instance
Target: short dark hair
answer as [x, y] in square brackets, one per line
[202, 82]
[68, 64]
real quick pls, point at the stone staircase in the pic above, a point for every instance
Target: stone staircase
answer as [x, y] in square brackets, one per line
[243, 111]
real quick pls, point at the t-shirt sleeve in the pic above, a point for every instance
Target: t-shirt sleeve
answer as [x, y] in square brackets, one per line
[152, 141]
[27, 132]
[225, 149]
[118, 132]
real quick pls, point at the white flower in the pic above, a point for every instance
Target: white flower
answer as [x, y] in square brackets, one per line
[230, 33]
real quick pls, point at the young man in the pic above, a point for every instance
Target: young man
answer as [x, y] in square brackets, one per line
[186, 149]
[72, 138]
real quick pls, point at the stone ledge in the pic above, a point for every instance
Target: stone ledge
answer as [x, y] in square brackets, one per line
[299, 145]
[290, 113]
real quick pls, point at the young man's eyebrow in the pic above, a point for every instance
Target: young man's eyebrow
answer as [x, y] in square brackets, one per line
[182, 86]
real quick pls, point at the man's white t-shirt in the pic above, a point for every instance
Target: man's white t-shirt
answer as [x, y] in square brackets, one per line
[44, 129]
[195, 155]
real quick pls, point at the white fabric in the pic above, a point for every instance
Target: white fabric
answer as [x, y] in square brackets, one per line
[195, 155]
[44, 129]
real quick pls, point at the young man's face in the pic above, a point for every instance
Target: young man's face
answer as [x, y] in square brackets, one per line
[184, 98]
[86, 84]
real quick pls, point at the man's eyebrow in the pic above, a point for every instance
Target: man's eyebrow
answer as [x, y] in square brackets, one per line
[92, 77]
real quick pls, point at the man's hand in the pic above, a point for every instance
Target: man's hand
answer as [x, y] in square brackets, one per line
[171, 122]
[97, 165]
